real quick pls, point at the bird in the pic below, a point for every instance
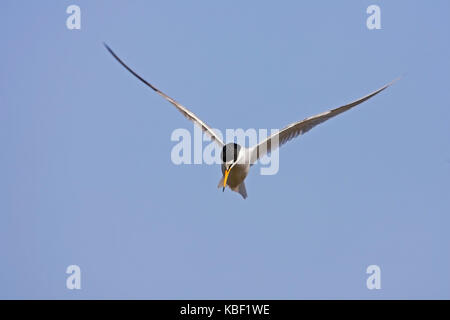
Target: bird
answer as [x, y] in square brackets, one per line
[236, 159]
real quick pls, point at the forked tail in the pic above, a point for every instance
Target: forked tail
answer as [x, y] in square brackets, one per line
[241, 189]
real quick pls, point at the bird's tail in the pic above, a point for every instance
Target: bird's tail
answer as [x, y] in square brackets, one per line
[220, 185]
[242, 191]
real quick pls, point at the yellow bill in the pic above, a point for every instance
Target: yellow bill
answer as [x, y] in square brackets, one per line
[227, 172]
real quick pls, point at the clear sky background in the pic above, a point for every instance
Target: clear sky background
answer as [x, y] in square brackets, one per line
[86, 176]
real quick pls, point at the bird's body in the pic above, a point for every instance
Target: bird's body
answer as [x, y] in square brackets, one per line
[237, 175]
[236, 159]
[240, 170]
[236, 178]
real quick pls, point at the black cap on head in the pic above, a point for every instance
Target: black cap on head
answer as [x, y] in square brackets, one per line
[230, 152]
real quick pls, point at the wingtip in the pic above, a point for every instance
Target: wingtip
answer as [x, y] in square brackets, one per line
[106, 46]
[395, 80]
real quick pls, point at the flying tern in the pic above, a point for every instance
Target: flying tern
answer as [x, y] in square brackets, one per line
[237, 160]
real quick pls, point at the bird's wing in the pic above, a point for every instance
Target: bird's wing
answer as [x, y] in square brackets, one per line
[298, 128]
[188, 114]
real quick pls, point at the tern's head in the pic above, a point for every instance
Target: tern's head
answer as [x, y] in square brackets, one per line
[229, 156]
[230, 153]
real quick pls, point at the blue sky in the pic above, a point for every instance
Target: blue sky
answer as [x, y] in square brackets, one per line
[87, 179]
